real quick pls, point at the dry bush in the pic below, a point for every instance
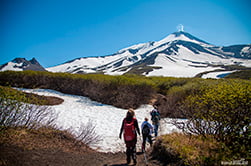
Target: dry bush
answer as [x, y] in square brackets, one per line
[15, 111]
[86, 134]
[31, 116]
[41, 138]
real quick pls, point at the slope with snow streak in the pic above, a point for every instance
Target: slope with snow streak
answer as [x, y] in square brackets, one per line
[21, 64]
[191, 54]
[77, 110]
[12, 66]
[217, 75]
[175, 67]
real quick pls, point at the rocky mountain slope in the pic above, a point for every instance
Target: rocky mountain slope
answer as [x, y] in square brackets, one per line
[20, 64]
[180, 54]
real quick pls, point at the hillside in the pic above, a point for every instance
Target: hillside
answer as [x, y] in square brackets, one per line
[21, 64]
[47, 146]
[225, 101]
[180, 54]
[59, 144]
[244, 74]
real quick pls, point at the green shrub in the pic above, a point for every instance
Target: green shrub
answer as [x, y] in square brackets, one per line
[222, 110]
[120, 91]
[181, 149]
[243, 74]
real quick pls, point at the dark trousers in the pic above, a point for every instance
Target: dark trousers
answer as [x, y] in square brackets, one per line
[149, 137]
[156, 128]
[130, 153]
[131, 150]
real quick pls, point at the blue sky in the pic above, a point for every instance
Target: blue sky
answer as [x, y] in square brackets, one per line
[55, 31]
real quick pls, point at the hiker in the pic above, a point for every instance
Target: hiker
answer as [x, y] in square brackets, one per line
[146, 130]
[155, 117]
[129, 127]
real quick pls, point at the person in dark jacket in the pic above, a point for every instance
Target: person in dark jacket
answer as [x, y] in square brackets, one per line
[155, 117]
[146, 130]
[130, 128]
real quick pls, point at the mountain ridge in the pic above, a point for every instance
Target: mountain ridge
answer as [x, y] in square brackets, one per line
[180, 51]
[179, 54]
[20, 64]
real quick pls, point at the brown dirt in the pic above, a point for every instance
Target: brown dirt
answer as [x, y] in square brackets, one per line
[15, 156]
[51, 147]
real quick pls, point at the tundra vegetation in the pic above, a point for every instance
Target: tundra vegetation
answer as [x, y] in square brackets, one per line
[23, 115]
[217, 113]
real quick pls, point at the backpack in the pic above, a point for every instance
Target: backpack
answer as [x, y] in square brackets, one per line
[155, 116]
[145, 130]
[129, 130]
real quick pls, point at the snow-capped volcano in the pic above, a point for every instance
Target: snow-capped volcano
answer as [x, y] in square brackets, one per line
[180, 54]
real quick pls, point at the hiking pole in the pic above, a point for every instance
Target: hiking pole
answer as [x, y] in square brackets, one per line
[144, 152]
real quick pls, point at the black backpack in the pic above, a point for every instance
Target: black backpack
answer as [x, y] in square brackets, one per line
[145, 130]
[155, 116]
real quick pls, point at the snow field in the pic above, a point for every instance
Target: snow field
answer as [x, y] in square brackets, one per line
[78, 110]
[216, 74]
[10, 66]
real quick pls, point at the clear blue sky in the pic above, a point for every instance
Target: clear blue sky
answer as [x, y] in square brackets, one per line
[55, 31]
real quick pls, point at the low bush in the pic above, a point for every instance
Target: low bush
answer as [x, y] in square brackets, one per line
[221, 110]
[163, 84]
[21, 116]
[243, 74]
[181, 149]
[120, 91]
[86, 134]
[41, 138]
[169, 106]
[16, 110]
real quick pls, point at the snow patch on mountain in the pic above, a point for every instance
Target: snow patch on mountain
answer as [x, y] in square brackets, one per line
[181, 36]
[176, 67]
[217, 75]
[179, 55]
[12, 66]
[21, 64]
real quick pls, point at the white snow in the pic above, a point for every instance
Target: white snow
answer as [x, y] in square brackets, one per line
[77, 110]
[87, 63]
[183, 62]
[12, 66]
[176, 66]
[172, 37]
[246, 50]
[216, 74]
[135, 47]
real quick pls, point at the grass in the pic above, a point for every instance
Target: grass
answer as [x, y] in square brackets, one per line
[125, 91]
[190, 150]
[29, 97]
[47, 138]
[243, 74]
[43, 100]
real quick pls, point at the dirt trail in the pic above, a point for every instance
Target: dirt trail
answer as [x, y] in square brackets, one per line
[15, 156]
[119, 160]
